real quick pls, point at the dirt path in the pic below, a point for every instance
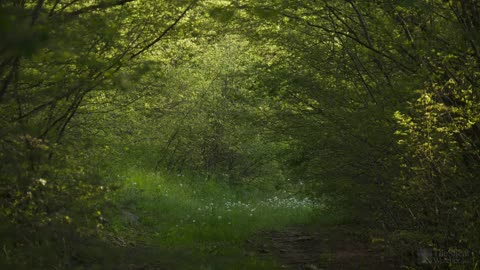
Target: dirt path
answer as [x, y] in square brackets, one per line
[328, 248]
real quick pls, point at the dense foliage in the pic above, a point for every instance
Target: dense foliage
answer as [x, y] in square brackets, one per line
[372, 106]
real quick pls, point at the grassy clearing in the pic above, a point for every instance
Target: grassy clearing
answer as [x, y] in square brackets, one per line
[209, 220]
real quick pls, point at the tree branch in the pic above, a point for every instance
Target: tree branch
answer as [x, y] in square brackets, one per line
[165, 32]
[100, 6]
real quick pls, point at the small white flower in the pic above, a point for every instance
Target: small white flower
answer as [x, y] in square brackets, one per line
[42, 181]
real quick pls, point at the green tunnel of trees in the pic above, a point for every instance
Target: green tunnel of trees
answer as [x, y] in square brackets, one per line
[371, 104]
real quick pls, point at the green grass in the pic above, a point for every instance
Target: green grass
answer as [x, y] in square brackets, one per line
[206, 218]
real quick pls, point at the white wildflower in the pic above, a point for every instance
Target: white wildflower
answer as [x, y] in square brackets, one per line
[42, 181]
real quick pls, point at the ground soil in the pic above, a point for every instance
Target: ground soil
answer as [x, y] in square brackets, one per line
[322, 247]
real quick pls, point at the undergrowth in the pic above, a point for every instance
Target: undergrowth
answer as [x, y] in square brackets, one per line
[206, 218]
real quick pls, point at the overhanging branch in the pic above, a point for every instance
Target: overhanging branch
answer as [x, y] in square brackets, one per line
[165, 32]
[100, 6]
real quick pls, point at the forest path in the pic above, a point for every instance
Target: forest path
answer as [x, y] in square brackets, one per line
[328, 247]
